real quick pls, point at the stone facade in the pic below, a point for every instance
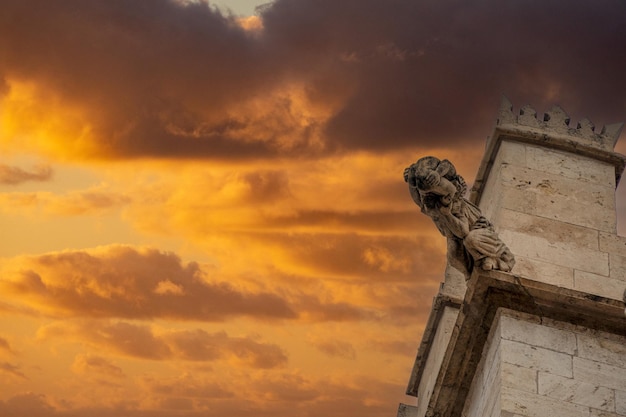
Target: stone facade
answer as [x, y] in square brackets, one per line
[549, 337]
[535, 367]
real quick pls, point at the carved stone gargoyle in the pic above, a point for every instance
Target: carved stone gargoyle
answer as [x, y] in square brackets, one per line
[472, 241]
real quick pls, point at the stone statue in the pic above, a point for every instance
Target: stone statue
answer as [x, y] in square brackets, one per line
[472, 241]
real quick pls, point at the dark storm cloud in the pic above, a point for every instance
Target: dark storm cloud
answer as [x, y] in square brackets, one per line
[165, 78]
[436, 69]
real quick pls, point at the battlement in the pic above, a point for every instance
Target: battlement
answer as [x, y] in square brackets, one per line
[557, 122]
[553, 132]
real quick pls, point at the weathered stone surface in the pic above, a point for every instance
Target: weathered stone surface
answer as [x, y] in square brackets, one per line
[484, 395]
[594, 412]
[435, 357]
[612, 243]
[600, 374]
[617, 266]
[553, 231]
[535, 334]
[552, 196]
[599, 284]
[575, 391]
[540, 359]
[594, 347]
[569, 165]
[566, 254]
[620, 402]
[547, 272]
[535, 405]
[405, 410]
[518, 377]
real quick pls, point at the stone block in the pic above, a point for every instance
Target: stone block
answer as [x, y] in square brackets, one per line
[405, 410]
[537, 335]
[617, 266]
[594, 412]
[600, 374]
[551, 196]
[599, 285]
[584, 213]
[535, 405]
[537, 270]
[518, 377]
[570, 165]
[536, 358]
[612, 243]
[484, 392]
[435, 357]
[620, 402]
[512, 153]
[568, 254]
[553, 231]
[575, 391]
[596, 348]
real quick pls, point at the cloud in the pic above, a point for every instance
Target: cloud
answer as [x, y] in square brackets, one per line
[335, 348]
[186, 386]
[92, 364]
[10, 175]
[144, 283]
[12, 370]
[5, 346]
[121, 281]
[180, 79]
[144, 342]
[28, 404]
[96, 200]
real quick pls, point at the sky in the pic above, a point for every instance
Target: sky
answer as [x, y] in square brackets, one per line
[202, 206]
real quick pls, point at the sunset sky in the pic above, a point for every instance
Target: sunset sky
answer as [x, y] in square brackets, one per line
[202, 209]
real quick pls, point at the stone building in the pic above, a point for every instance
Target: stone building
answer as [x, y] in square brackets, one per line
[549, 337]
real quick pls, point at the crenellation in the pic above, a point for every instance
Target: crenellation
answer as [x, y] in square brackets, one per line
[528, 117]
[557, 121]
[612, 132]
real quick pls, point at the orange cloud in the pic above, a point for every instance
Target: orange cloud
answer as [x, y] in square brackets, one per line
[120, 281]
[11, 175]
[144, 342]
[96, 365]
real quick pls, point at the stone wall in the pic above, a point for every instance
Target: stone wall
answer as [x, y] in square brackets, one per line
[535, 367]
[556, 212]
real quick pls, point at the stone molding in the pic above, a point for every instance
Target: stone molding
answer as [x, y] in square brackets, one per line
[489, 291]
[439, 303]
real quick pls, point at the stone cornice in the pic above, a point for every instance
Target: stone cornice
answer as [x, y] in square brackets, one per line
[487, 292]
